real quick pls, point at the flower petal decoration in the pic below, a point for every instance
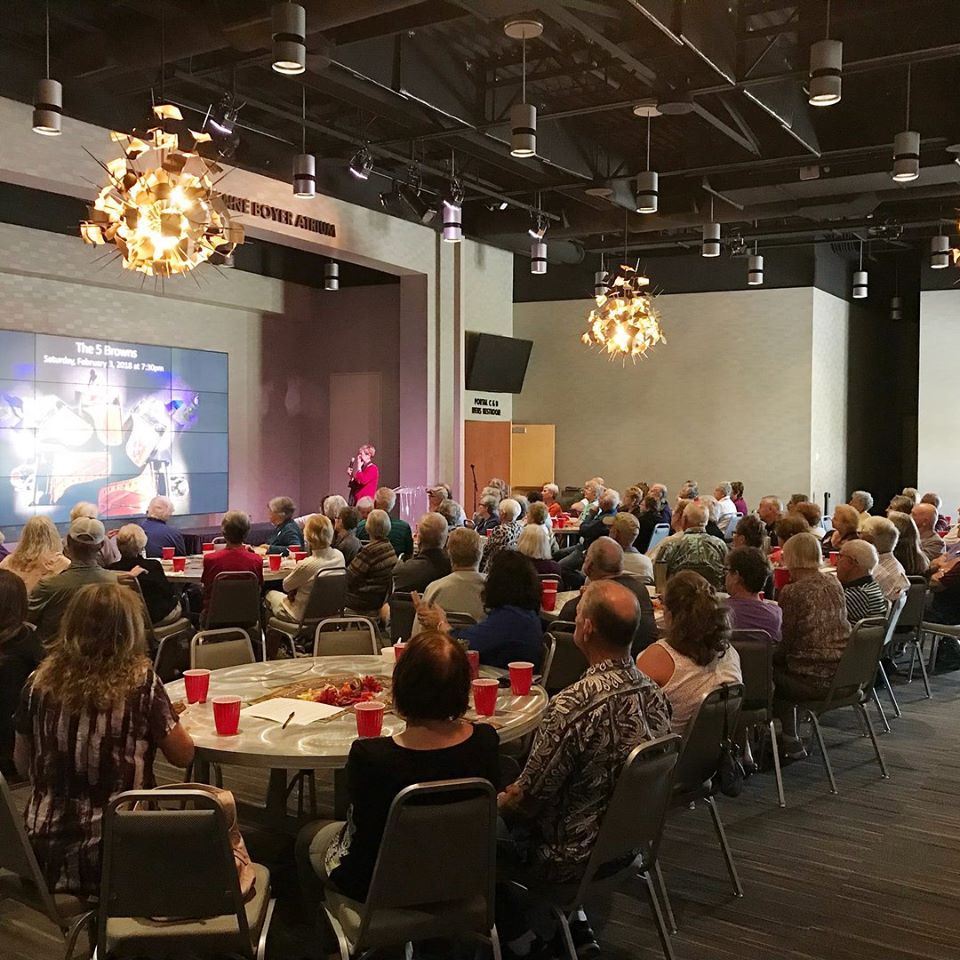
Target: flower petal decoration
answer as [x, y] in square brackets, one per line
[625, 322]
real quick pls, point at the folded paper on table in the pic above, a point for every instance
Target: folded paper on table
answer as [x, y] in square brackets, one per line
[279, 709]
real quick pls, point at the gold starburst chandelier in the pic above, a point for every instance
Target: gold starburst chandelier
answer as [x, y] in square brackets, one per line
[625, 322]
[160, 208]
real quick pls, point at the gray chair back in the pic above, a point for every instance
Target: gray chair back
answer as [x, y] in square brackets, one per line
[173, 655]
[462, 817]
[915, 598]
[893, 617]
[134, 584]
[660, 532]
[568, 664]
[149, 837]
[345, 637]
[328, 596]
[701, 748]
[633, 821]
[858, 665]
[217, 649]
[234, 600]
[402, 615]
[457, 619]
[755, 649]
[17, 856]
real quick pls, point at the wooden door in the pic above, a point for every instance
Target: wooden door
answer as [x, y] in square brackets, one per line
[486, 445]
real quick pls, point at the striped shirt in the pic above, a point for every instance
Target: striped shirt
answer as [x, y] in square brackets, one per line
[864, 599]
[78, 762]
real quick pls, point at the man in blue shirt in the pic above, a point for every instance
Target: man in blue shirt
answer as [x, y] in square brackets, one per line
[159, 534]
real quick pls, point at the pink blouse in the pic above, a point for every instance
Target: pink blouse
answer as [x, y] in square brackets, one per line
[365, 481]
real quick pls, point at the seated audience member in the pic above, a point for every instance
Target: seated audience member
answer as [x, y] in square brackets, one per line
[161, 600]
[235, 556]
[696, 549]
[592, 491]
[95, 677]
[551, 497]
[512, 629]
[659, 490]
[690, 490]
[538, 515]
[534, 542]
[38, 553]
[649, 517]
[911, 493]
[460, 591]
[332, 507]
[345, 533]
[556, 806]
[676, 526]
[747, 573]
[487, 516]
[401, 536]
[21, 651]
[604, 561]
[710, 504]
[862, 502]
[108, 552]
[291, 602]
[726, 508]
[926, 517]
[534, 496]
[595, 524]
[287, 534]
[944, 601]
[934, 500]
[750, 532]
[49, 598]
[736, 495]
[770, 510]
[846, 527]
[632, 501]
[159, 533]
[889, 573]
[524, 505]
[813, 637]
[364, 505]
[505, 535]
[452, 512]
[500, 486]
[695, 657]
[862, 594]
[795, 501]
[430, 562]
[812, 513]
[624, 530]
[900, 504]
[370, 573]
[908, 550]
[435, 496]
[431, 693]
[787, 527]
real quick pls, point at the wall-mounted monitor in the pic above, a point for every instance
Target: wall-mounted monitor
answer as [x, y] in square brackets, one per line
[496, 364]
[114, 423]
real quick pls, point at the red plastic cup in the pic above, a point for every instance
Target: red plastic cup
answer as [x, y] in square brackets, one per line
[369, 718]
[561, 521]
[274, 560]
[167, 553]
[398, 649]
[197, 684]
[834, 557]
[299, 555]
[781, 577]
[226, 715]
[474, 657]
[179, 564]
[485, 691]
[208, 548]
[548, 594]
[521, 677]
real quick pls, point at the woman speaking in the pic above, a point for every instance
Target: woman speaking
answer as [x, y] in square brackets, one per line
[363, 473]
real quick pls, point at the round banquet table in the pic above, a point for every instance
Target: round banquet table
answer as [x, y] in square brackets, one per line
[319, 746]
[194, 570]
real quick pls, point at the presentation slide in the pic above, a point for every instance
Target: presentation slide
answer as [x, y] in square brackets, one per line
[109, 422]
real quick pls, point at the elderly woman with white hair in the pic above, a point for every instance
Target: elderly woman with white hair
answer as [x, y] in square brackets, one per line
[727, 512]
[430, 562]
[551, 497]
[287, 534]
[712, 526]
[534, 542]
[108, 552]
[890, 574]
[370, 572]
[487, 516]
[291, 602]
[452, 512]
[862, 502]
[861, 592]
[159, 533]
[506, 535]
[162, 604]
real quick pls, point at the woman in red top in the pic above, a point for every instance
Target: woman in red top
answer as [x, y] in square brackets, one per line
[364, 474]
[236, 555]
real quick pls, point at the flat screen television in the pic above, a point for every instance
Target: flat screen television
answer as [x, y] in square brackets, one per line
[496, 364]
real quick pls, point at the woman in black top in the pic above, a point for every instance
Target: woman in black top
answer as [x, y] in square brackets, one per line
[158, 594]
[20, 654]
[431, 691]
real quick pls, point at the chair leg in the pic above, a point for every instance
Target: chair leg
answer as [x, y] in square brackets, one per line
[923, 674]
[342, 941]
[662, 930]
[893, 698]
[914, 648]
[934, 646]
[495, 943]
[859, 707]
[667, 906]
[823, 750]
[724, 846]
[74, 933]
[265, 929]
[883, 716]
[565, 932]
[776, 763]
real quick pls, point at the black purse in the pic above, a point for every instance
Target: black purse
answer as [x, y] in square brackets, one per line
[730, 771]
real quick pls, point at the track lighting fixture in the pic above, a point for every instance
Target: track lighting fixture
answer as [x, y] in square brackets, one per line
[523, 115]
[906, 147]
[289, 38]
[331, 275]
[648, 188]
[755, 268]
[538, 256]
[305, 164]
[860, 289]
[711, 236]
[939, 252]
[361, 164]
[826, 70]
[48, 99]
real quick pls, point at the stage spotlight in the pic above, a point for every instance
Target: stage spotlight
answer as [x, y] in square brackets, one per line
[222, 118]
[361, 164]
[410, 195]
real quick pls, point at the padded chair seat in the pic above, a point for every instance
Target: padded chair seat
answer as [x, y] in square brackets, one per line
[131, 937]
[290, 627]
[172, 629]
[13, 888]
[391, 925]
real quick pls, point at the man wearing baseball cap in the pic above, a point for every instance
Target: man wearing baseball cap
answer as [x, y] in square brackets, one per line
[51, 595]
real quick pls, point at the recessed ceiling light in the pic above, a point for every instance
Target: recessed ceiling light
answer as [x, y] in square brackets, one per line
[646, 108]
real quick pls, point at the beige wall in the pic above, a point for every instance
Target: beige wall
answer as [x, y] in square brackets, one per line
[729, 396]
[938, 453]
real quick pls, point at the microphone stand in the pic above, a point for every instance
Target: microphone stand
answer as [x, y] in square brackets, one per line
[473, 470]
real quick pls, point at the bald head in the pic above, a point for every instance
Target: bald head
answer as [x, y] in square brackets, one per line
[607, 618]
[695, 515]
[925, 516]
[604, 559]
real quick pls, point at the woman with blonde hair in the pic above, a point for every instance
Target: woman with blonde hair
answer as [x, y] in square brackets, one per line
[88, 728]
[38, 554]
[908, 550]
[534, 542]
